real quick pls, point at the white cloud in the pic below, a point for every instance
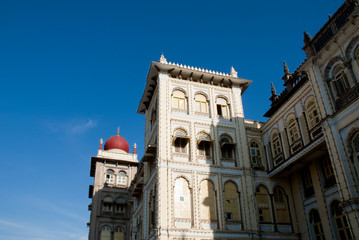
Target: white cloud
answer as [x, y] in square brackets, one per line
[11, 230]
[81, 128]
[71, 126]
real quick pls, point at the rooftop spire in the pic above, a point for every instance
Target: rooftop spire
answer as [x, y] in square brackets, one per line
[233, 73]
[135, 148]
[101, 142]
[118, 131]
[307, 38]
[274, 93]
[286, 69]
[163, 59]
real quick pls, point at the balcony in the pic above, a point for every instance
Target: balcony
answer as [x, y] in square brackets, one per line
[348, 97]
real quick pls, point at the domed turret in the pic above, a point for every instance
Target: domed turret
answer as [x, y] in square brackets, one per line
[117, 142]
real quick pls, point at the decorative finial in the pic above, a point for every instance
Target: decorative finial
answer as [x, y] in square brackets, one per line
[163, 59]
[118, 131]
[286, 69]
[135, 148]
[233, 73]
[307, 38]
[273, 90]
[101, 142]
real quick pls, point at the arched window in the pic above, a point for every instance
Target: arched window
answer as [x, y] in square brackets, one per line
[182, 199]
[313, 117]
[222, 108]
[110, 176]
[316, 223]
[122, 178]
[276, 145]
[355, 147]
[356, 55]
[153, 118]
[340, 220]
[227, 148]
[255, 152]
[201, 103]
[152, 210]
[231, 202]
[105, 233]
[119, 234]
[263, 205]
[120, 206]
[208, 201]
[293, 131]
[107, 205]
[328, 172]
[180, 140]
[340, 81]
[281, 207]
[307, 183]
[204, 145]
[179, 100]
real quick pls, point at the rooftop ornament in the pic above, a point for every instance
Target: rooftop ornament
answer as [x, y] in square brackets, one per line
[233, 73]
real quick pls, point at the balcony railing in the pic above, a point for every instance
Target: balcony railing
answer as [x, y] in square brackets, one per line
[333, 26]
[348, 97]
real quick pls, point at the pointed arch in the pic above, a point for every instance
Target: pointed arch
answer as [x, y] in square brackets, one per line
[119, 234]
[353, 44]
[182, 198]
[316, 223]
[105, 233]
[208, 201]
[263, 204]
[281, 206]
[231, 201]
[340, 220]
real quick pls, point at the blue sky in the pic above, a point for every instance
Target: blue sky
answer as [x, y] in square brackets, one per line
[71, 72]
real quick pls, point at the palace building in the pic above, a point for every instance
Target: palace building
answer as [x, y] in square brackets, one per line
[208, 173]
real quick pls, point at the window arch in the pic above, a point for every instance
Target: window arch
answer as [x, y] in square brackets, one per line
[107, 205]
[227, 147]
[307, 182]
[180, 141]
[179, 100]
[222, 108]
[276, 144]
[313, 117]
[340, 80]
[208, 201]
[119, 234]
[152, 210]
[355, 147]
[231, 202]
[263, 205]
[293, 130]
[201, 103]
[122, 178]
[316, 223]
[204, 144]
[281, 206]
[340, 221]
[182, 199]
[105, 233]
[328, 172]
[255, 153]
[120, 207]
[110, 176]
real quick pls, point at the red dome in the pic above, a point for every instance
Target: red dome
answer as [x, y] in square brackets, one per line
[117, 142]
